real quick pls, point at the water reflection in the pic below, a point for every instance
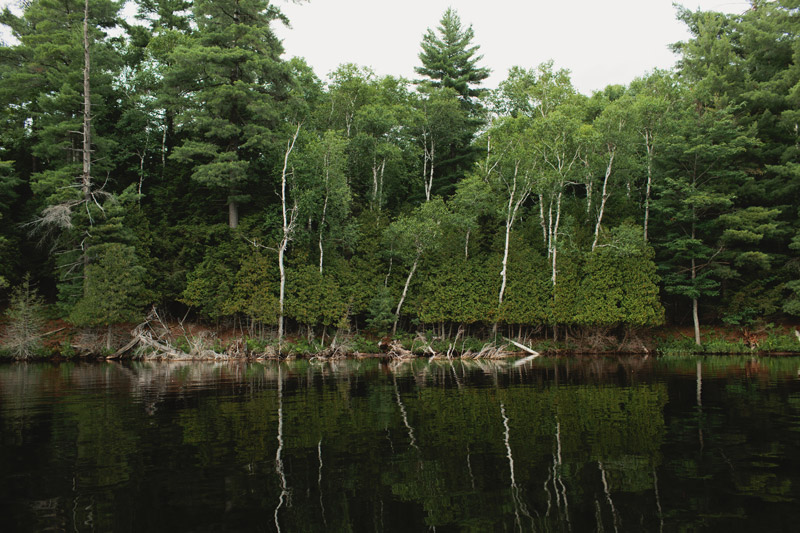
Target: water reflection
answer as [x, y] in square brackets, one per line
[554, 444]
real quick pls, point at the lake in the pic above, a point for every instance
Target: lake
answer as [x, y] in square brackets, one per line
[556, 444]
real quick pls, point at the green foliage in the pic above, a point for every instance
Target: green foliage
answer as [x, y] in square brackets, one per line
[619, 284]
[112, 289]
[460, 291]
[529, 295]
[26, 322]
[394, 197]
[224, 83]
[314, 299]
[380, 315]
[449, 58]
[209, 286]
[362, 344]
[254, 292]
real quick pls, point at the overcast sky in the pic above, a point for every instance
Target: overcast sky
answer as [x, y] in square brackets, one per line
[600, 42]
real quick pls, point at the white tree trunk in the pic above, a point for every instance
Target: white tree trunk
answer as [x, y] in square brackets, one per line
[649, 145]
[555, 237]
[321, 226]
[405, 291]
[374, 183]
[510, 213]
[542, 221]
[604, 197]
[324, 211]
[289, 220]
[379, 199]
[430, 154]
[695, 314]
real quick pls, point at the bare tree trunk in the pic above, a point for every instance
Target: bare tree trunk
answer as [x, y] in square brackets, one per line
[86, 177]
[603, 198]
[324, 210]
[405, 291]
[542, 222]
[321, 225]
[554, 237]
[509, 222]
[466, 244]
[550, 229]
[380, 185]
[695, 315]
[233, 213]
[389, 271]
[648, 144]
[141, 172]
[374, 183]
[282, 295]
[377, 182]
[428, 171]
[514, 202]
[289, 220]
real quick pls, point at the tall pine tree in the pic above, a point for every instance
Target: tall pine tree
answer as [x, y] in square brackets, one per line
[231, 78]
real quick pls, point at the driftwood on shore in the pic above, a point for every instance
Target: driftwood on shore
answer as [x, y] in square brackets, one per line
[153, 338]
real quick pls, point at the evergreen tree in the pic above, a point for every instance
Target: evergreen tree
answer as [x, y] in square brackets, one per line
[701, 172]
[43, 83]
[7, 183]
[26, 321]
[450, 63]
[113, 288]
[232, 79]
[449, 60]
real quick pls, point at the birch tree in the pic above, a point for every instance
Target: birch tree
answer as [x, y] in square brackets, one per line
[414, 236]
[608, 153]
[513, 174]
[350, 88]
[289, 213]
[653, 98]
[546, 97]
[440, 119]
[558, 146]
[326, 197]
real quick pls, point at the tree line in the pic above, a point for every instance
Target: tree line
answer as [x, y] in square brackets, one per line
[184, 162]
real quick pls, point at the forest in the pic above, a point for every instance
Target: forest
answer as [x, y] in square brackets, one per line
[182, 165]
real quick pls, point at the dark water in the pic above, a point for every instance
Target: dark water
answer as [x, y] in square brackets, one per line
[554, 445]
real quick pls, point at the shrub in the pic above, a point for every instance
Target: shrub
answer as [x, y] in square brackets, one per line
[26, 322]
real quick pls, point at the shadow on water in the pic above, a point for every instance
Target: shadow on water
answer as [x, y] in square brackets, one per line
[592, 443]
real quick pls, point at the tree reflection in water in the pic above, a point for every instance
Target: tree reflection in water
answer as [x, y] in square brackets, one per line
[593, 443]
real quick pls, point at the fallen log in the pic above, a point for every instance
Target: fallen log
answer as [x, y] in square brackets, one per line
[125, 349]
[534, 353]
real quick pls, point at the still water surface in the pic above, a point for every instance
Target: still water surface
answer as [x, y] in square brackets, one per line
[592, 444]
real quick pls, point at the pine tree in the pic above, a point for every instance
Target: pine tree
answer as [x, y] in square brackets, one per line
[450, 63]
[449, 60]
[231, 78]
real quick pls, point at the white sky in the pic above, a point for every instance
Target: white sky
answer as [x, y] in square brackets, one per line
[601, 42]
